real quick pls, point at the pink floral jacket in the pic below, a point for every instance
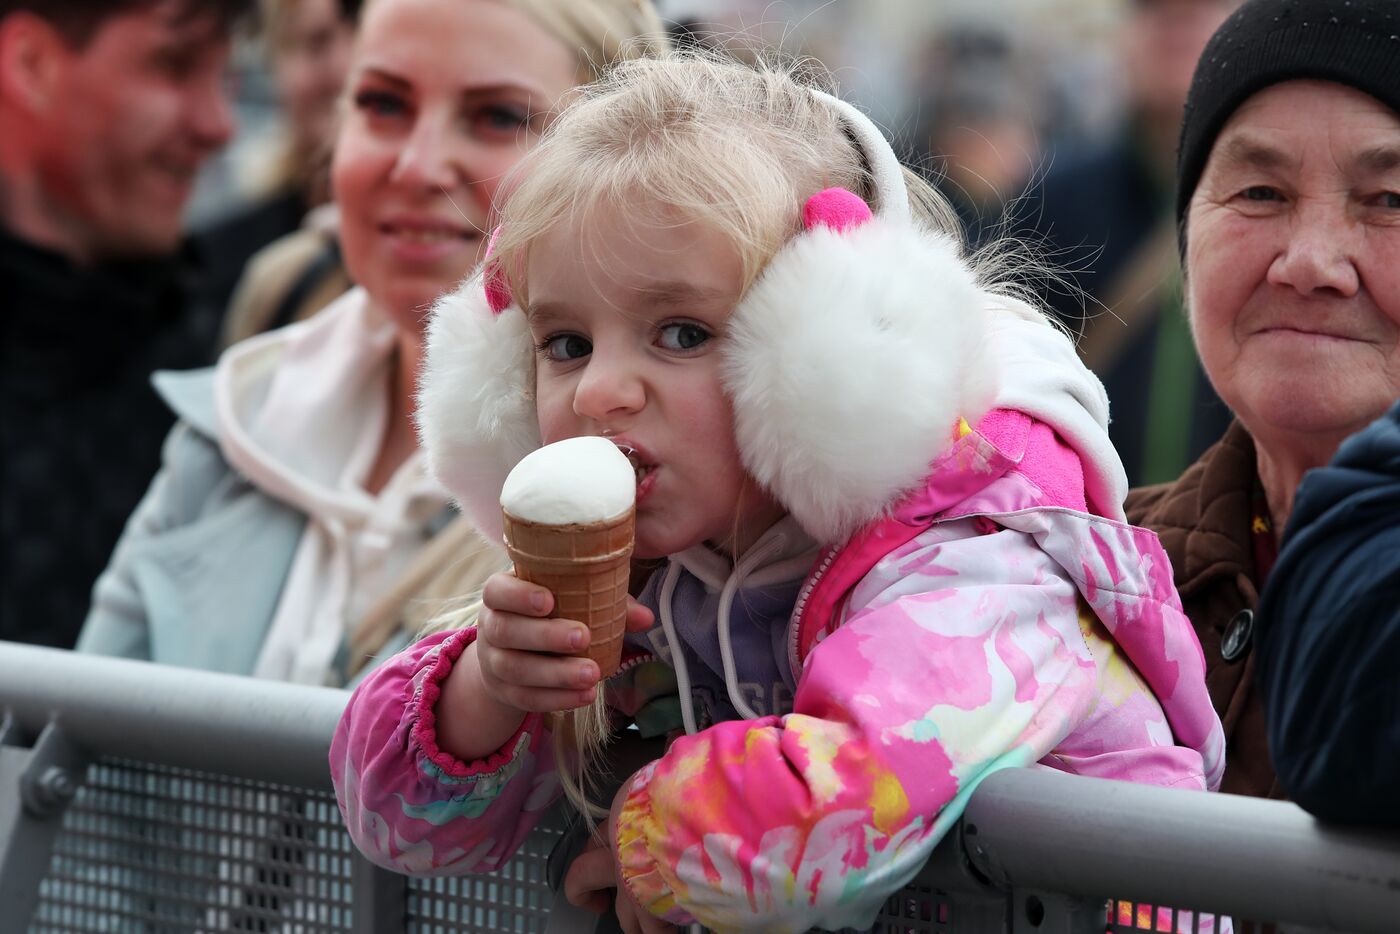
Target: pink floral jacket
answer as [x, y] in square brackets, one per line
[990, 621]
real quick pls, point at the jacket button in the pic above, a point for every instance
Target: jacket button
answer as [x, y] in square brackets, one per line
[1235, 643]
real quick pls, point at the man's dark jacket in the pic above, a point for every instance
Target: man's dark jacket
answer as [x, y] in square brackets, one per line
[80, 426]
[1329, 639]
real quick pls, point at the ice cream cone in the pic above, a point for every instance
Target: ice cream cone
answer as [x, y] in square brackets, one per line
[587, 566]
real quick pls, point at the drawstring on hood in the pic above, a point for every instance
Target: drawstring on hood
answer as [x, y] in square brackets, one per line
[782, 556]
[668, 594]
[742, 568]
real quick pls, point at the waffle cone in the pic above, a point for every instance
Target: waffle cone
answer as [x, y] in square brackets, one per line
[587, 567]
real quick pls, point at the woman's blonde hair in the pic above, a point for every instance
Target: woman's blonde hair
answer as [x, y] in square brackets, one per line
[600, 32]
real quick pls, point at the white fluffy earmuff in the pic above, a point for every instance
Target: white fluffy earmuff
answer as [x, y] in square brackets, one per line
[849, 363]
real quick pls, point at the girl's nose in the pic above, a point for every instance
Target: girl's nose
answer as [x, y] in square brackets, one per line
[1318, 256]
[608, 388]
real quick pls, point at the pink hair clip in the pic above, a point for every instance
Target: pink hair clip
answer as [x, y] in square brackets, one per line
[497, 290]
[836, 208]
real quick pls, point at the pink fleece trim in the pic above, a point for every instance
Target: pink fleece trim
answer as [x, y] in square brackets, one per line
[1047, 461]
[421, 710]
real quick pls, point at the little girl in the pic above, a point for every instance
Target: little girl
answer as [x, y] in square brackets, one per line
[895, 553]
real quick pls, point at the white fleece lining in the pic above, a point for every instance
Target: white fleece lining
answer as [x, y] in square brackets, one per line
[476, 406]
[849, 363]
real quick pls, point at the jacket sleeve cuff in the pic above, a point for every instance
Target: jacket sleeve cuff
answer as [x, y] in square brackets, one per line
[638, 869]
[422, 710]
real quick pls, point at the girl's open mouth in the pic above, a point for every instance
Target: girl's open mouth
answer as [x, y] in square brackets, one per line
[644, 470]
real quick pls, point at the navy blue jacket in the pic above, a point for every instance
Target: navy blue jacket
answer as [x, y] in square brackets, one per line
[1329, 639]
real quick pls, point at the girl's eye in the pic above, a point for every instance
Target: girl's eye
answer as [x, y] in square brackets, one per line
[683, 336]
[565, 347]
[380, 103]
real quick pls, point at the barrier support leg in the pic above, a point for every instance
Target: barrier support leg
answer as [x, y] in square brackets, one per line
[378, 898]
[36, 785]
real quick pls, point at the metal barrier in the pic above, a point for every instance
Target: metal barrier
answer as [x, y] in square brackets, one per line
[136, 797]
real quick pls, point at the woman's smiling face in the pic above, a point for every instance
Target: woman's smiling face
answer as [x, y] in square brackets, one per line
[1293, 262]
[445, 97]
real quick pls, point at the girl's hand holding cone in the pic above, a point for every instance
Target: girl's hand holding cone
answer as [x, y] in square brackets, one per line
[528, 658]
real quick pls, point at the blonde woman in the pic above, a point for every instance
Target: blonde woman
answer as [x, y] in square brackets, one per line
[293, 532]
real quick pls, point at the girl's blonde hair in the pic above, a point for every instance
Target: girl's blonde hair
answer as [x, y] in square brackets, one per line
[739, 147]
[736, 147]
[696, 137]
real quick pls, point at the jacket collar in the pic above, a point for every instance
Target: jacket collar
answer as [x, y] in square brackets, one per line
[1203, 518]
[190, 395]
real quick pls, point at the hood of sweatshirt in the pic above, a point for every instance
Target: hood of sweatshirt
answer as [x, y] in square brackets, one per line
[731, 622]
[301, 411]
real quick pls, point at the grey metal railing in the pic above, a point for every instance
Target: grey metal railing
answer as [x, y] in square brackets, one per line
[137, 797]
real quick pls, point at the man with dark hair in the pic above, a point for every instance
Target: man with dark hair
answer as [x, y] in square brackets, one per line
[108, 108]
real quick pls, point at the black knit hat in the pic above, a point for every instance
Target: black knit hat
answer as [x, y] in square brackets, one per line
[1351, 42]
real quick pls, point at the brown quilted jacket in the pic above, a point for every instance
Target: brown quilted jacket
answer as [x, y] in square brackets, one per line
[1204, 520]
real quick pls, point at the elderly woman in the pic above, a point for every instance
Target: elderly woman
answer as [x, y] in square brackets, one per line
[1289, 210]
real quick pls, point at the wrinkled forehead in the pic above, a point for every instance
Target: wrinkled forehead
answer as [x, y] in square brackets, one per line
[1273, 128]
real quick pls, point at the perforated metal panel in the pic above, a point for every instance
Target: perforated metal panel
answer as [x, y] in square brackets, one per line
[517, 898]
[151, 849]
[916, 909]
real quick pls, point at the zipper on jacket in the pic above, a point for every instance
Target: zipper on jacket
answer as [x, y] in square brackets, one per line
[798, 608]
[631, 663]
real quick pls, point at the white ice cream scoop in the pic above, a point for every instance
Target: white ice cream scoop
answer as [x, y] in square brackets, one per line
[568, 510]
[571, 482]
